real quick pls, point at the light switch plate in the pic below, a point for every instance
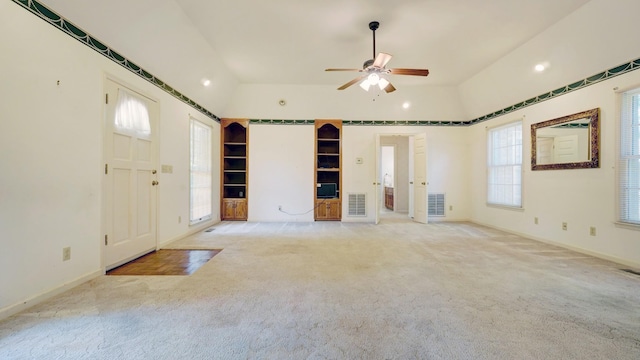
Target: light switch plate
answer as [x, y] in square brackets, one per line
[167, 169]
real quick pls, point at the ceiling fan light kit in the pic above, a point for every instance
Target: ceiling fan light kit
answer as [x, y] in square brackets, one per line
[375, 71]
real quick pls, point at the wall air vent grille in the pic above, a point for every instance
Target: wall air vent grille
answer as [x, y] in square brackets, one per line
[357, 205]
[436, 205]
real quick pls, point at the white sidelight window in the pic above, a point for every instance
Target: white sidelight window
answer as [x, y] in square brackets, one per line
[504, 165]
[629, 159]
[201, 177]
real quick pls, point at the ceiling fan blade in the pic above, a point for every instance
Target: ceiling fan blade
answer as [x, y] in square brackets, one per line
[360, 70]
[417, 72]
[389, 88]
[351, 82]
[381, 60]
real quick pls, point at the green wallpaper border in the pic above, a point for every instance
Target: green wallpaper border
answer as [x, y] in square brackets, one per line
[364, 122]
[581, 84]
[72, 30]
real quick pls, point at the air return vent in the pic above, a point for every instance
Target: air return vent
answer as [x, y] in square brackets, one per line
[436, 205]
[357, 205]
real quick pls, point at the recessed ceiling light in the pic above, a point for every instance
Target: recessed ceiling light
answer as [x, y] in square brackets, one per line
[406, 105]
[540, 68]
[206, 82]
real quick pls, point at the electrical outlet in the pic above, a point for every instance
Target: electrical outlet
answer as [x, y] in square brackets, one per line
[450, 207]
[564, 226]
[66, 254]
[535, 220]
[179, 219]
[592, 231]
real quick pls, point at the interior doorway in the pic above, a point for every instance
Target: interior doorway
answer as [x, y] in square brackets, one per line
[395, 176]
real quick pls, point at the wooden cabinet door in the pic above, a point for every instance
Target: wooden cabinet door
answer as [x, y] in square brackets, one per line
[334, 210]
[234, 209]
[321, 210]
[228, 209]
[329, 209]
[241, 210]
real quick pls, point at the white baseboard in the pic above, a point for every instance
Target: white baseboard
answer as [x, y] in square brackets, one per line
[34, 300]
[614, 259]
[194, 230]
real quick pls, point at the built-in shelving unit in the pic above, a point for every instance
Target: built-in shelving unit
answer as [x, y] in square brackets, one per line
[234, 182]
[328, 170]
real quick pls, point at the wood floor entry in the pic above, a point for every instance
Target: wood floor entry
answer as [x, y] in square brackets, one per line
[166, 262]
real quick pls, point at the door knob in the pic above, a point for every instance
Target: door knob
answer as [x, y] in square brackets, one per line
[154, 183]
[154, 171]
[424, 183]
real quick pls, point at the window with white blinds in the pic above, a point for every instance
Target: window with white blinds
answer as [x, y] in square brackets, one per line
[504, 165]
[200, 170]
[629, 158]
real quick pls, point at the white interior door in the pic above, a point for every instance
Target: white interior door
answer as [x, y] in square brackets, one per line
[565, 149]
[130, 185]
[376, 180]
[420, 178]
[544, 150]
[411, 177]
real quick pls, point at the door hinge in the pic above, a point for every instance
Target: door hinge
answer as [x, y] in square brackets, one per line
[106, 239]
[106, 169]
[106, 98]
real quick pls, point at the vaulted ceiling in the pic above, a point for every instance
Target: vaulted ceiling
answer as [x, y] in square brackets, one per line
[293, 41]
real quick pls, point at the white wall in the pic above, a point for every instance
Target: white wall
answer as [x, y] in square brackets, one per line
[162, 28]
[594, 38]
[447, 169]
[52, 161]
[387, 165]
[281, 166]
[51, 146]
[325, 102]
[580, 197]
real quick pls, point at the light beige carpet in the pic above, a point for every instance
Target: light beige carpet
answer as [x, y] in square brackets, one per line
[331, 290]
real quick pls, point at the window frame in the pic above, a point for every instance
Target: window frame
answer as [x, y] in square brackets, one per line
[518, 158]
[625, 153]
[193, 122]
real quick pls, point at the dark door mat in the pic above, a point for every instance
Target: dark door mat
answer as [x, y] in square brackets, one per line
[166, 262]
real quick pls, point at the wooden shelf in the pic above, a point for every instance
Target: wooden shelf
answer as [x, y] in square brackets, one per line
[328, 170]
[234, 172]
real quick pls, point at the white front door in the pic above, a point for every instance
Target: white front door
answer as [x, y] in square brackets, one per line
[420, 178]
[130, 180]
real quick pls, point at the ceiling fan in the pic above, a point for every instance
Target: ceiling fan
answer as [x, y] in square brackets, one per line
[374, 69]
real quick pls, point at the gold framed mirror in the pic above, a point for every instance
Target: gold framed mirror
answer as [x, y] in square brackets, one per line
[568, 142]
